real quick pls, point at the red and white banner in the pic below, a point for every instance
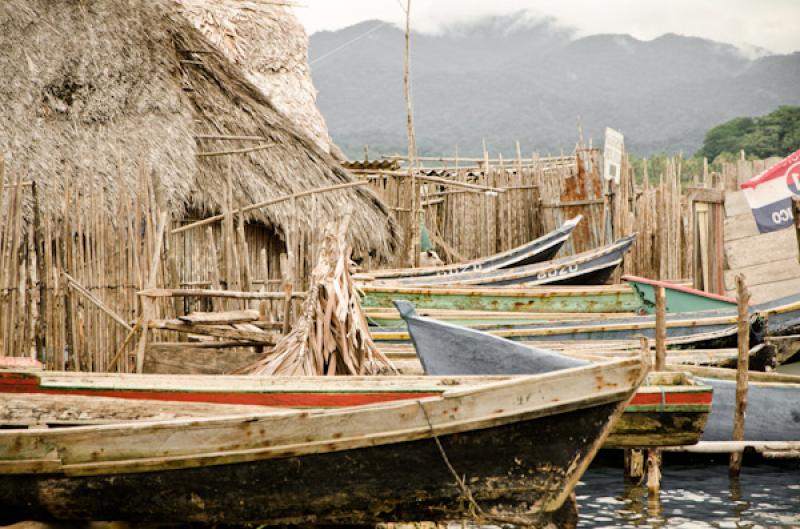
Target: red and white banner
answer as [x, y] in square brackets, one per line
[769, 194]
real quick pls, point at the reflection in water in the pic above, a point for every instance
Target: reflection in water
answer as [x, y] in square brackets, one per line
[695, 496]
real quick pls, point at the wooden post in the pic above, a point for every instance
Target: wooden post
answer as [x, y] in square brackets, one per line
[65, 254]
[41, 276]
[148, 306]
[286, 275]
[743, 300]
[661, 328]
[653, 471]
[634, 464]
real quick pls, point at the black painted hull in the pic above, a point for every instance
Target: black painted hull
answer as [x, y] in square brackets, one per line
[517, 467]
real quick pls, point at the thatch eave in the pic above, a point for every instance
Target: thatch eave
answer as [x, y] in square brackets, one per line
[100, 94]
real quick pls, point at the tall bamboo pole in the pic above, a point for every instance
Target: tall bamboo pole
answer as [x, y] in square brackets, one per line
[413, 257]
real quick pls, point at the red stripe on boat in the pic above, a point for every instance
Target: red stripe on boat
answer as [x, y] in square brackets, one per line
[644, 399]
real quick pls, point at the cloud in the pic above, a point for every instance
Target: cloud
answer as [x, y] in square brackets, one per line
[770, 24]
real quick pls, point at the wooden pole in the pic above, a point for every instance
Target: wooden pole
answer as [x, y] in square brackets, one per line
[653, 472]
[743, 300]
[633, 464]
[148, 307]
[374, 175]
[413, 257]
[41, 276]
[65, 256]
[661, 328]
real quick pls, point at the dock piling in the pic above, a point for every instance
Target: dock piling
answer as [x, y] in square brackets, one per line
[743, 299]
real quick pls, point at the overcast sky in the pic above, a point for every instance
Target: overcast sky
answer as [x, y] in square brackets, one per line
[770, 24]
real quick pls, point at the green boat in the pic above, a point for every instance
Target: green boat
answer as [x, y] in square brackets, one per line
[679, 298]
[552, 299]
[390, 319]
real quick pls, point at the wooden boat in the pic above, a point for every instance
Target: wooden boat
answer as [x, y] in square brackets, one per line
[669, 409]
[705, 329]
[773, 405]
[542, 249]
[356, 465]
[239, 390]
[385, 318]
[763, 357]
[585, 299]
[679, 298]
[701, 330]
[593, 267]
[666, 410]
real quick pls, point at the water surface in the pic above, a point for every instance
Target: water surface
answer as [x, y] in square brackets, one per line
[693, 496]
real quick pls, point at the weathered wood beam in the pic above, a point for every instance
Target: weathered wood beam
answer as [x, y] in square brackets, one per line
[211, 293]
[260, 337]
[220, 318]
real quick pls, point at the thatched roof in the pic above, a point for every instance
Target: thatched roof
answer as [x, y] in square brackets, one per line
[269, 44]
[98, 92]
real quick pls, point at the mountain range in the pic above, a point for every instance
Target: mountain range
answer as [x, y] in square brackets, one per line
[511, 78]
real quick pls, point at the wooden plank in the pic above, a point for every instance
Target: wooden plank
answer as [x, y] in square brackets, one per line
[740, 227]
[197, 358]
[736, 204]
[28, 409]
[209, 293]
[260, 337]
[770, 291]
[707, 195]
[761, 249]
[764, 273]
[220, 318]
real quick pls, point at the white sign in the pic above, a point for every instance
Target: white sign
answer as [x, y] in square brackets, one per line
[612, 154]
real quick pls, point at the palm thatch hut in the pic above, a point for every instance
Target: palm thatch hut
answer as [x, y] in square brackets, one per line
[99, 91]
[269, 44]
[111, 104]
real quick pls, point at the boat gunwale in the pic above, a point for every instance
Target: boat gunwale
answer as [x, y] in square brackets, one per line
[559, 235]
[680, 288]
[621, 370]
[544, 291]
[622, 245]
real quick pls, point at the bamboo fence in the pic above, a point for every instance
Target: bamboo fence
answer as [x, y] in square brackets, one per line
[69, 284]
[69, 280]
[536, 195]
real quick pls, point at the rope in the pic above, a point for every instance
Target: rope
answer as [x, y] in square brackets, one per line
[349, 42]
[474, 508]
[475, 511]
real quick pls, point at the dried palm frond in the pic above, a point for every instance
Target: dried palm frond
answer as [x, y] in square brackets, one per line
[331, 337]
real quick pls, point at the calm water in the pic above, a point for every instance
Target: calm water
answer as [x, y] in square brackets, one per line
[693, 496]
